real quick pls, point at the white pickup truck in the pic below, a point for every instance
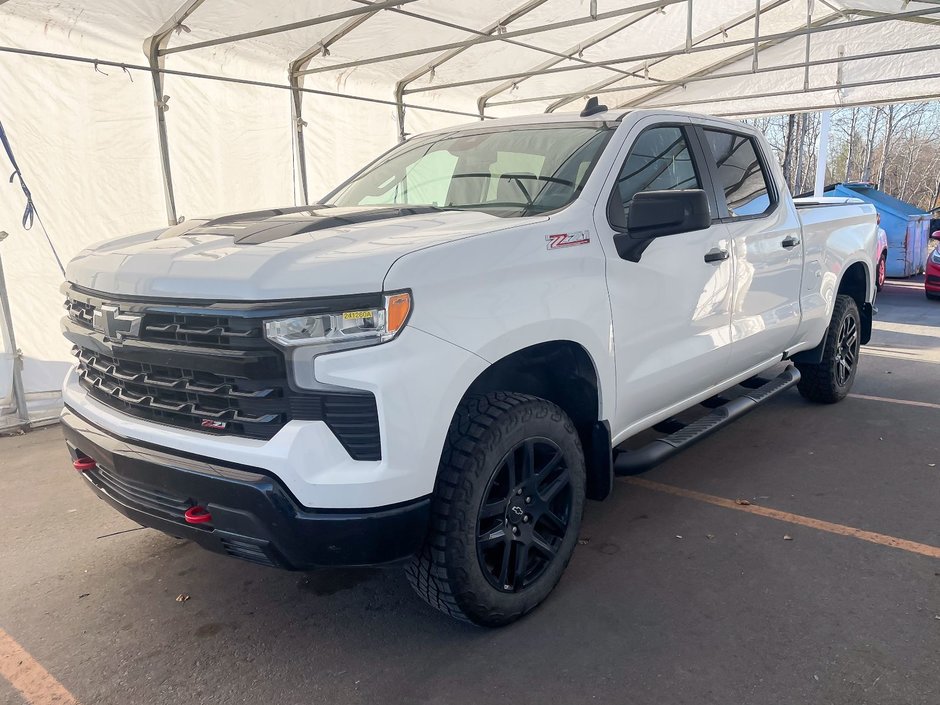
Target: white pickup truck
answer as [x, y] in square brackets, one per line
[436, 364]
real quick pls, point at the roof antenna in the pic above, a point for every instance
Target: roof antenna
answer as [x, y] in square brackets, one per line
[593, 108]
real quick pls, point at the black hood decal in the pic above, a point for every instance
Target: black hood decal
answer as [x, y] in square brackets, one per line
[257, 227]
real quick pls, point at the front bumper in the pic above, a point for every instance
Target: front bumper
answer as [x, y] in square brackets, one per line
[932, 278]
[253, 516]
[417, 381]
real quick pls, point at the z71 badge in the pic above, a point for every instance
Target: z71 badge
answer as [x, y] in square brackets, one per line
[582, 237]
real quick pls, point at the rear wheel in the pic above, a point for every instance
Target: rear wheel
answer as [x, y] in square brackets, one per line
[506, 509]
[830, 380]
[882, 269]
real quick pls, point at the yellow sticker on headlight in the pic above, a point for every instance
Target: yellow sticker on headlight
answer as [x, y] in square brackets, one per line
[356, 315]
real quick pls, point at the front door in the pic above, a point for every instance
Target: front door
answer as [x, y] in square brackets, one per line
[671, 310]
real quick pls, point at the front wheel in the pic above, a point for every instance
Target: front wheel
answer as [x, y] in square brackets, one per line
[830, 380]
[506, 509]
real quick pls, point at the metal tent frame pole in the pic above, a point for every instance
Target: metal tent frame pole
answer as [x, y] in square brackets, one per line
[920, 98]
[812, 89]
[770, 69]
[702, 73]
[19, 391]
[227, 79]
[748, 41]
[313, 21]
[694, 78]
[575, 49]
[566, 98]
[152, 48]
[480, 38]
[429, 67]
[296, 81]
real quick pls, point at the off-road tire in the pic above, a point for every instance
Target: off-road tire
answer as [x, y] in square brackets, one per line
[446, 573]
[820, 382]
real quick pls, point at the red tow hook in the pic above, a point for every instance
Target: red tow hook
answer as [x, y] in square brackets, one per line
[84, 464]
[197, 515]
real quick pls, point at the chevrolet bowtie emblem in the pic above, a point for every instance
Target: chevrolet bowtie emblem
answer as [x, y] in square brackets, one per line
[116, 325]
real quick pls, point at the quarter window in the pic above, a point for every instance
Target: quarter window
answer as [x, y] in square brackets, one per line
[660, 160]
[740, 173]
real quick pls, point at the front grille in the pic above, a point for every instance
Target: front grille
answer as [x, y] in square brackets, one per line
[183, 397]
[206, 369]
[186, 328]
[933, 279]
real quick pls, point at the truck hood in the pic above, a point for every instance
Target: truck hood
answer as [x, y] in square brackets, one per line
[276, 254]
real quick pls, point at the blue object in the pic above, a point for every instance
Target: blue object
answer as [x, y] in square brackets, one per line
[907, 226]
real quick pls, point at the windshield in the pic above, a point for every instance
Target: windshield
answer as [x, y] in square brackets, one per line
[506, 172]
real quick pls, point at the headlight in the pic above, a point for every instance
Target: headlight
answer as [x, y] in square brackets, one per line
[935, 257]
[343, 328]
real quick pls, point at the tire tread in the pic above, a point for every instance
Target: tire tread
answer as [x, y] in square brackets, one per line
[818, 380]
[478, 418]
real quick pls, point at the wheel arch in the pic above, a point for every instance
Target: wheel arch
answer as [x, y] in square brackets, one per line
[857, 281]
[564, 373]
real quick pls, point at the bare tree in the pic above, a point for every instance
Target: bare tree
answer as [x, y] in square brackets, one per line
[891, 112]
[898, 143]
[788, 150]
[851, 144]
[870, 134]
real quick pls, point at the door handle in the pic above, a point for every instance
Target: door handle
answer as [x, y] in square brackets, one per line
[717, 255]
[790, 241]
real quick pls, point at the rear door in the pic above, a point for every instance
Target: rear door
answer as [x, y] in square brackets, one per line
[768, 253]
[671, 310]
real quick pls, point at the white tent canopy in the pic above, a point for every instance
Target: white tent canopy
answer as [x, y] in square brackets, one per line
[125, 116]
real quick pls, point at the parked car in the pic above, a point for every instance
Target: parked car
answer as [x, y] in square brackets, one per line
[436, 364]
[882, 260]
[932, 270]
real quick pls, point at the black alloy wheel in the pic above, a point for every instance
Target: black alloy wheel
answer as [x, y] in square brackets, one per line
[506, 509]
[847, 350]
[829, 380]
[525, 515]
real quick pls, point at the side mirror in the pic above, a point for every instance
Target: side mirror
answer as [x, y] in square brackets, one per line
[935, 235]
[659, 213]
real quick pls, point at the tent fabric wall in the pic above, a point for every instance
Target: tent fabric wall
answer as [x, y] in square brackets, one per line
[86, 136]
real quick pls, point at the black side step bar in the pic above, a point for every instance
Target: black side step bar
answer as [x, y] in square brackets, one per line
[632, 462]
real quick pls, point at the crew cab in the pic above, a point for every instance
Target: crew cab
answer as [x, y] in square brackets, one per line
[440, 360]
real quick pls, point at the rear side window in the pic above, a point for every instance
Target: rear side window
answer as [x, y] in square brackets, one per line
[741, 175]
[659, 160]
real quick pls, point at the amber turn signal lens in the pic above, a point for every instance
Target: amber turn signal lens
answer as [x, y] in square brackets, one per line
[397, 308]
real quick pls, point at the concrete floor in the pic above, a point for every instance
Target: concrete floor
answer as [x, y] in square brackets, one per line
[731, 612]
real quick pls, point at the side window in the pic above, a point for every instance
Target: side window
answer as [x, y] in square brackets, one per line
[659, 160]
[740, 173]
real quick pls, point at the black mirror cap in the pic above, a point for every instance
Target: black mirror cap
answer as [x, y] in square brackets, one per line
[654, 214]
[659, 213]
